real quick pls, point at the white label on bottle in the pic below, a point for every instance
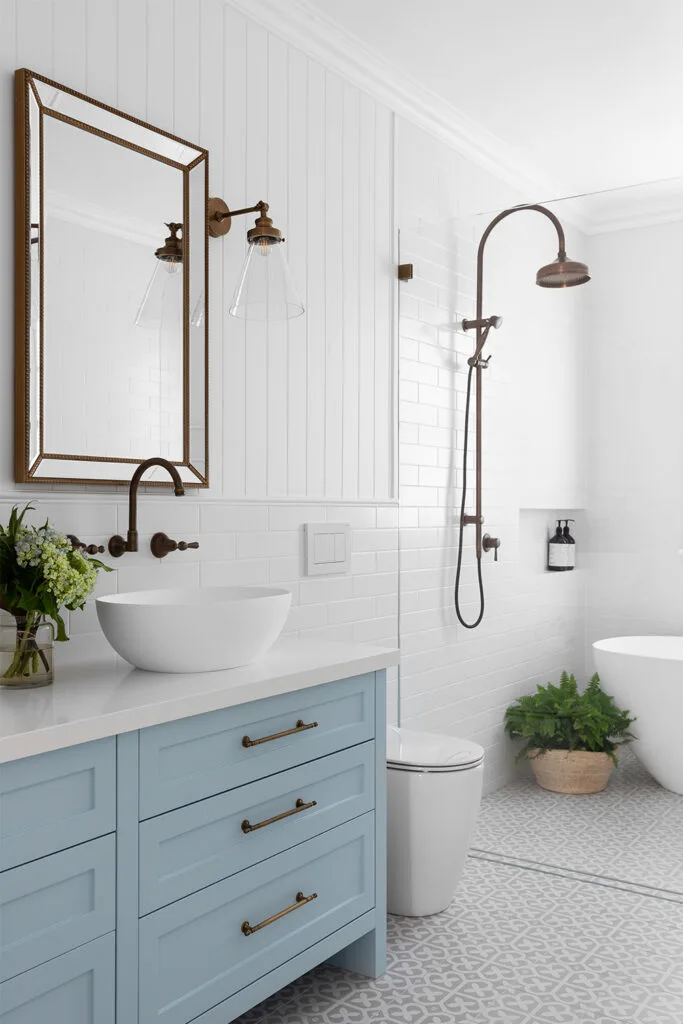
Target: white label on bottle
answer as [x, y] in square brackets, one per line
[558, 555]
[571, 554]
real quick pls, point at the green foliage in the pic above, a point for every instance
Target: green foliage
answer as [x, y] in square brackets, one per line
[561, 718]
[40, 572]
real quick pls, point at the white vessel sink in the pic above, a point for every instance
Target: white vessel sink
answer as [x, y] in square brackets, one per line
[193, 630]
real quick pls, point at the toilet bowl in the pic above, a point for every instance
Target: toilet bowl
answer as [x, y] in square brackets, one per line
[433, 795]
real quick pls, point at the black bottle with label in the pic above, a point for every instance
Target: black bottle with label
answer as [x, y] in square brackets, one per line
[557, 551]
[571, 545]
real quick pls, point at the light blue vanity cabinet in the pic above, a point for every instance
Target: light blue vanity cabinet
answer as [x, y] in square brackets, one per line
[186, 871]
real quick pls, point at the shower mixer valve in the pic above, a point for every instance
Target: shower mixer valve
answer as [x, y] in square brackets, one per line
[489, 543]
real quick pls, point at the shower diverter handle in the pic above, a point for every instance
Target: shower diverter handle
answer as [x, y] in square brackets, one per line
[489, 543]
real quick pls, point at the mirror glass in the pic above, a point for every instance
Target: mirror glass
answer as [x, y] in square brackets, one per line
[111, 338]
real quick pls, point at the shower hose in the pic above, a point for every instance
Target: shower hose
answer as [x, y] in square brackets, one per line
[456, 589]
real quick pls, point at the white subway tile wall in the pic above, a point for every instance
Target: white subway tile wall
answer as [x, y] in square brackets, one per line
[454, 680]
[244, 544]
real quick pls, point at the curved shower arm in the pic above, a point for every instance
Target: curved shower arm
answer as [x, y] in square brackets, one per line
[496, 220]
[481, 336]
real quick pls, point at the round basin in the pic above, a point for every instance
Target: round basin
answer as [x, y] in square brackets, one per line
[193, 630]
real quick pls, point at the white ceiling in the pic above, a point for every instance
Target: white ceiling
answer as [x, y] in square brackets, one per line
[588, 91]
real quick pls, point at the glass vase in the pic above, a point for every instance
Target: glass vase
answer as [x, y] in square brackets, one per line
[26, 647]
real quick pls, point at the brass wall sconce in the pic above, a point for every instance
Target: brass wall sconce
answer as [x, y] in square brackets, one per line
[265, 290]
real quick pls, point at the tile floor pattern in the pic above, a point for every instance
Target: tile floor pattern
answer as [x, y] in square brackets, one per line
[632, 832]
[526, 944]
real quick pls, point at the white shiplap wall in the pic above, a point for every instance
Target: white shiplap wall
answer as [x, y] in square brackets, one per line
[298, 410]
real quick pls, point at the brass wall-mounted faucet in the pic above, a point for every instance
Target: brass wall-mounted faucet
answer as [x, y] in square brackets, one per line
[117, 545]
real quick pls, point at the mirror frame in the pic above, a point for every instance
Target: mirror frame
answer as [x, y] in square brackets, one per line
[24, 470]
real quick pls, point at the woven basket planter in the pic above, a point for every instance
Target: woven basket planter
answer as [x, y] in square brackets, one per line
[571, 771]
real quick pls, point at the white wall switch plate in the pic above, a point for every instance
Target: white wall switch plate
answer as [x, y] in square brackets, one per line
[328, 548]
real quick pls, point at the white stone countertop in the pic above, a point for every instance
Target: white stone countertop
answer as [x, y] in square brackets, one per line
[97, 694]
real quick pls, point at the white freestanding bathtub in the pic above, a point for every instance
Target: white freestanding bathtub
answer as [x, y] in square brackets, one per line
[645, 675]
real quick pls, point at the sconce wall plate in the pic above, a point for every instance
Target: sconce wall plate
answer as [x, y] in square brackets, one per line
[218, 217]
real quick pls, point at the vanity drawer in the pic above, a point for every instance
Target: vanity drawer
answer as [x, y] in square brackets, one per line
[76, 988]
[193, 758]
[55, 904]
[52, 801]
[190, 848]
[196, 953]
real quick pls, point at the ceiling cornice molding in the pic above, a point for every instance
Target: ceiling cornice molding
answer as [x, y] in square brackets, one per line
[299, 23]
[644, 218]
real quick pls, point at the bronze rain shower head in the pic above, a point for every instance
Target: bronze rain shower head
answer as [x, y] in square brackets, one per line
[562, 273]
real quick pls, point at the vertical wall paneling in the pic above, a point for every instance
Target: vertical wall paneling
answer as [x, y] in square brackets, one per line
[315, 279]
[297, 219]
[298, 410]
[101, 50]
[232, 188]
[132, 57]
[186, 64]
[161, 63]
[334, 309]
[366, 270]
[277, 195]
[385, 283]
[257, 354]
[350, 323]
[212, 59]
[70, 44]
[34, 47]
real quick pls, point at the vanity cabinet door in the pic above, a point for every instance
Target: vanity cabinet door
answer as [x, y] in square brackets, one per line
[193, 758]
[199, 951]
[55, 800]
[76, 988]
[55, 904]
[192, 847]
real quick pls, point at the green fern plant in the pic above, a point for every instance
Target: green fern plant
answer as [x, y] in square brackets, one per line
[562, 718]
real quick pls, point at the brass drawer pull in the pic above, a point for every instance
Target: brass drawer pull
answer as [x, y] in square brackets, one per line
[301, 900]
[300, 806]
[300, 726]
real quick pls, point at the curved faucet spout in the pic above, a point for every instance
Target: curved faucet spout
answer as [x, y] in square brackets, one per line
[117, 545]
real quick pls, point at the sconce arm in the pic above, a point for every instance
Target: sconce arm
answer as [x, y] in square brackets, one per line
[219, 215]
[260, 206]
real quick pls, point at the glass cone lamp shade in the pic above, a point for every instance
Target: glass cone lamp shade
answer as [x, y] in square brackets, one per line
[198, 313]
[164, 293]
[266, 290]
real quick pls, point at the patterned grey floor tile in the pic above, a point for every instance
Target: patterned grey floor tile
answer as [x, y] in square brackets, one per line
[596, 938]
[632, 832]
[515, 947]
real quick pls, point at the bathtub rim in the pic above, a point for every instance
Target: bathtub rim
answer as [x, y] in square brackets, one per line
[624, 646]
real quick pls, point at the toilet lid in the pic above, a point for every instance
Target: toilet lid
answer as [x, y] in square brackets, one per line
[426, 751]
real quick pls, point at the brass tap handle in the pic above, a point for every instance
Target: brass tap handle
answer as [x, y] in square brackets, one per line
[301, 901]
[300, 726]
[117, 546]
[161, 545]
[300, 806]
[90, 549]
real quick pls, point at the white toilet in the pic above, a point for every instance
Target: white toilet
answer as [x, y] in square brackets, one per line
[433, 791]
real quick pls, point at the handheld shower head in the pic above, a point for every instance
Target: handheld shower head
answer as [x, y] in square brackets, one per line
[484, 325]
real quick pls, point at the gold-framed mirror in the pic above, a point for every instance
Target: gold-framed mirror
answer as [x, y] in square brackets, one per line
[111, 292]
